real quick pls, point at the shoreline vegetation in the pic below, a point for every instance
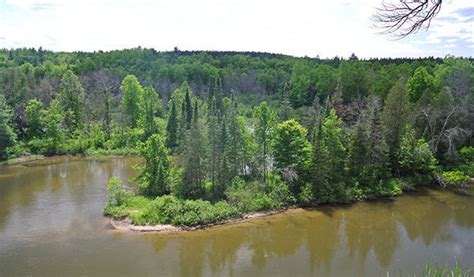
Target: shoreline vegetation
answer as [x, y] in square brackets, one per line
[124, 221]
[126, 224]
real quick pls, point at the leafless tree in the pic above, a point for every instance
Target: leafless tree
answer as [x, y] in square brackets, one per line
[405, 17]
[102, 87]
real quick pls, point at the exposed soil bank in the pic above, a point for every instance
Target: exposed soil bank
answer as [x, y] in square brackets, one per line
[22, 159]
[126, 224]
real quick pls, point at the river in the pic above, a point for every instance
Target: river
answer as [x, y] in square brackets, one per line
[51, 224]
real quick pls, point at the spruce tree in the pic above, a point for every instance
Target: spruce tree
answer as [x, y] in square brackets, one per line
[285, 103]
[188, 109]
[172, 128]
[329, 158]
[394, 119]
[191, 186]
[223, 164]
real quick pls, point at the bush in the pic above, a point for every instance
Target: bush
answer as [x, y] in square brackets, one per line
[467, 161]
[117, 195]
[171, 210]
[252, 197]
[392, 188]
[117, 212]
[455, 179]
[306, 195]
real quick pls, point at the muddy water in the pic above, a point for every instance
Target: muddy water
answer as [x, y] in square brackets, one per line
[51, 224]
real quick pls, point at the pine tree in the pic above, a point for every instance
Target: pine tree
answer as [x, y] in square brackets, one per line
[188, 109]
[285, 103]
[368, 154]
[219, 96]
[329, 158]
[191, 186]
[394, 119]
[172, 128]
[223, 165]
[234, 138]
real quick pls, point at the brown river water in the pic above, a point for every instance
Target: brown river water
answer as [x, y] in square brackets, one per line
[51, 224]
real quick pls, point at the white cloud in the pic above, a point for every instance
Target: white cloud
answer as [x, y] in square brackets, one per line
[304, 27]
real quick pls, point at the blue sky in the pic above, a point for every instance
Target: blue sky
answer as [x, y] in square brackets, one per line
[298, 27]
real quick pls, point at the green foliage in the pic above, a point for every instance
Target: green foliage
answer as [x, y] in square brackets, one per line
[329, 157]
[353, 79]
[292, 151]
[360, 153]
[35, 115]
[149, 106]
[71, 100]
[420, 82]
[394, 119]
[132, 94]
[302, 84]
[154, 175]
[172, 128]
[368, 152]
[54, 134]
[456, 179]
[435, 270]
[7, 136]
[263, 130]
[415, 156]
[117, 195]
[96, 135]
[191, 186]
[170, 210]
[466, 163]
[252, 197]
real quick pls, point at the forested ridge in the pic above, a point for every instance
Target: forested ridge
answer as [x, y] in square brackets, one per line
[226, 133]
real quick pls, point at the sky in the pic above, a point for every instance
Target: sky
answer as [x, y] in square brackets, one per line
[326, 28]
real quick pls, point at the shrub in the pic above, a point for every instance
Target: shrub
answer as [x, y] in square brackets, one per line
[116, 193]
[306, 195]
[117, 212]
[467, 161]
[278, 191]
[252, 197]
[453, 179]
[171, 210]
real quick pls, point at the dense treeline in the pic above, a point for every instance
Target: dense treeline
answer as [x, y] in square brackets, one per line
[245, 131]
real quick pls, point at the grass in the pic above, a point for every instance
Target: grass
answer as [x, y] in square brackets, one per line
[171, 210]
[434, 270]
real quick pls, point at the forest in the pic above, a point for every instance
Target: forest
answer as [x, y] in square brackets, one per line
[223, 134]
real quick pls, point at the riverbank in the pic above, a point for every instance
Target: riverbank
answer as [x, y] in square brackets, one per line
[22, 159]
[127, 225]
[60, 158]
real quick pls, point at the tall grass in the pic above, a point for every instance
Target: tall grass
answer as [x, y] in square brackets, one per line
[434, 270]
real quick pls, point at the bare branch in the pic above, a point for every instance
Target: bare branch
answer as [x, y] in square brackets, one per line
[406, 17]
